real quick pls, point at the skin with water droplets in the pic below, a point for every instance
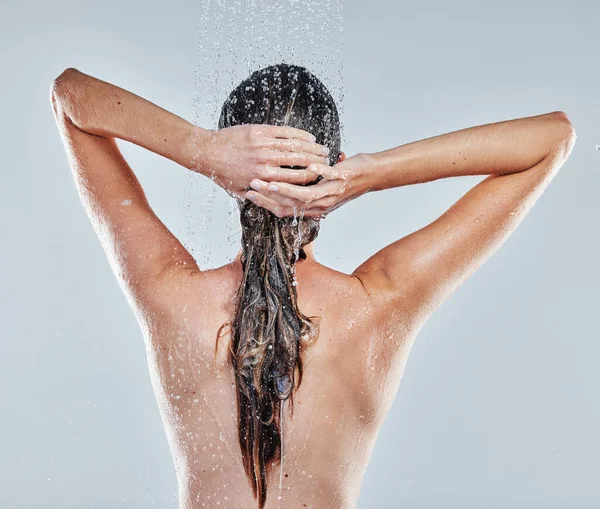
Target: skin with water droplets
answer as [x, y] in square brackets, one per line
[353, 369]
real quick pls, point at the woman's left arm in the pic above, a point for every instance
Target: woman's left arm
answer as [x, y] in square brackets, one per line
[91, 114]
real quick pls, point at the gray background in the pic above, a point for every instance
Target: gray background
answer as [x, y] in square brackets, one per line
[498, 405]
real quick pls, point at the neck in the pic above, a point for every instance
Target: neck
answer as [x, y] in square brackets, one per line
[308, 249]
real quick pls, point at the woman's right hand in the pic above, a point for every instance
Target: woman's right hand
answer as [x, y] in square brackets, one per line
[345, 181]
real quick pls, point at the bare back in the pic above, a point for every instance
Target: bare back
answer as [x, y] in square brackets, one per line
[350, 376]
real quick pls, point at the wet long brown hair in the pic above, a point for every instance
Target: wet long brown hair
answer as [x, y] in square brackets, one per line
[269, 331]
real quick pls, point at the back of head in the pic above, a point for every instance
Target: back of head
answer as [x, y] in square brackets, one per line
[269, 330]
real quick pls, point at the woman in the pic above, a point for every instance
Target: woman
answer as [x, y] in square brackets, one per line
[285, 409]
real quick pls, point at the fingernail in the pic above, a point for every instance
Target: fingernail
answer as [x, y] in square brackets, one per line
[312, 169]
[251, 197]
[273, 187]
[256, 184]
[325, 151]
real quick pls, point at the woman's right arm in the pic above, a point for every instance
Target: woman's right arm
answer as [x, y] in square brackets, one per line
[420, 270]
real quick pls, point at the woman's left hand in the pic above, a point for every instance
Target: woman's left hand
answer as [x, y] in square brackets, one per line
[234, 156]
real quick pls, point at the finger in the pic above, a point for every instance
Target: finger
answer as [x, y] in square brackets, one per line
[294, 145]
[315, 213]
[305, 194]
[282, 206]
[284, 201]
[291, 176]
[271, 205]
[269, 189]
[287, 132]
[328, 172]
[277, 158]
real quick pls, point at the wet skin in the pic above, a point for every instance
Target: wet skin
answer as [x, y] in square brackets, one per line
[351, 375]
[369, 318]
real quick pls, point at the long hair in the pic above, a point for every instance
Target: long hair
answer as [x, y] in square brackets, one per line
[269, 331]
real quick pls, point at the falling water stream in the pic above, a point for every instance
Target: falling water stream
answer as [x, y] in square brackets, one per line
[281, 415]
[236, 38]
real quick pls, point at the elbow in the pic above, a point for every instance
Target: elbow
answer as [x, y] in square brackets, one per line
[60, 85]
[62, 92]
[565, 129]
[564, 133]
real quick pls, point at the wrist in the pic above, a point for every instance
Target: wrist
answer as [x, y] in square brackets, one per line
[196, 144]
[378, 171]
[367, 175]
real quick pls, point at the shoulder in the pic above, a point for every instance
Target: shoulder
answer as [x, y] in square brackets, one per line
[192, 299]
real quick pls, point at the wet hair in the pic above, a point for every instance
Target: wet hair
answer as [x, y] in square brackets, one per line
[269, 331]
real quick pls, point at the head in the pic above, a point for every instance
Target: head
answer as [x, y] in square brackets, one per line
[269, 331]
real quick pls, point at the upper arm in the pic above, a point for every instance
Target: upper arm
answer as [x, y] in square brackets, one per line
[140, 248]
[419, 271]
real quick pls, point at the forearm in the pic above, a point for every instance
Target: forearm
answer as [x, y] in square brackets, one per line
[499, 148]
[103, 109]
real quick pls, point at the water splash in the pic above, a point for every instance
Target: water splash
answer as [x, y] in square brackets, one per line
[297, 221]
[236, 38]
[281, 418]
